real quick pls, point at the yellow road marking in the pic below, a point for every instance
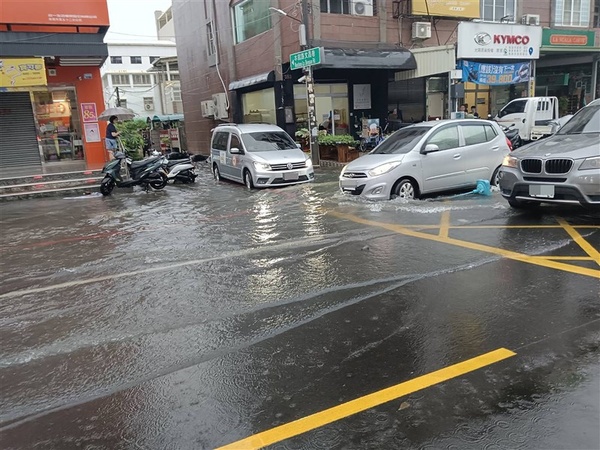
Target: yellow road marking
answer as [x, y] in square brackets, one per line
[565, 258]
[369, 401]
[585, 245]
[473, 246]
[444, 223]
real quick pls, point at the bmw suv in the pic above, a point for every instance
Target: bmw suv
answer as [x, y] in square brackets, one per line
[564, 168]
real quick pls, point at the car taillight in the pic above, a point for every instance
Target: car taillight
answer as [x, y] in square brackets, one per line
[509, 144]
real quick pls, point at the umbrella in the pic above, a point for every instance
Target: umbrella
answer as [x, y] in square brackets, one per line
[120, 112]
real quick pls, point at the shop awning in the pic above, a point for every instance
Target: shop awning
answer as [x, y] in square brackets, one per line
[68, 45]
[166, 118]
[347, 58]
[430, 61]
[251, 81]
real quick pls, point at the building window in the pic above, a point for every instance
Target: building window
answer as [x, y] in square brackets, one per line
[136, 59]
[116, 60]
[499, 10]
[596, 14]
[251, 18]
[210, 38]
[336, 6]
[572, 13]
[122, 80]
[142, 79]
[259, 106]
[123, 103]
[154, 58]
[174, 77]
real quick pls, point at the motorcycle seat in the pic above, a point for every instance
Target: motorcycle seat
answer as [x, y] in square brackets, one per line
[144, 162]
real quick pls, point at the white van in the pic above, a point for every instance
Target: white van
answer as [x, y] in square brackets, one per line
[530, 115]
[258, 155]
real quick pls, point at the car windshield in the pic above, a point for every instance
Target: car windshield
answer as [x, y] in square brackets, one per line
[402, 141]
[585, 121]
[268, 141]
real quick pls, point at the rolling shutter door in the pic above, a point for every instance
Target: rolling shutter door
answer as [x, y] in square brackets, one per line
[18, 137]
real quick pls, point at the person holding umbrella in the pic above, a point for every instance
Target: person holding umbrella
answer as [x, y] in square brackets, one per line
[111, 136]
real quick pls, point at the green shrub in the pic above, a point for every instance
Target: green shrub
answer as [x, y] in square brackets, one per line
[337, 139]
[131, 136]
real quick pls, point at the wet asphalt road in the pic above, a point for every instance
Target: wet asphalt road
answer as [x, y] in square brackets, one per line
[198, 316]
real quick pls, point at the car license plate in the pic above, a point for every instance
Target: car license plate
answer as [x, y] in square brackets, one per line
[541, 190]
[290, 176]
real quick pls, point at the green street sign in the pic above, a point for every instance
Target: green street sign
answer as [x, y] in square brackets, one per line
[305, 58]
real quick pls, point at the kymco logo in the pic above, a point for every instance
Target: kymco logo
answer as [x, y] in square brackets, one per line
[510, 39]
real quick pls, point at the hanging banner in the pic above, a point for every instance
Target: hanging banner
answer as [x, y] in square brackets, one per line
[19, 72]
[495, 74]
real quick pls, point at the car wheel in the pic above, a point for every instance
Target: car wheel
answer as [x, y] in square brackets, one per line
[248, 179]
[405, 189]
[216, 172]
[107, 185]
[495, 181]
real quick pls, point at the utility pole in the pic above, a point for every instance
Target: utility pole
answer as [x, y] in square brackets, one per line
[118, 98]
[310, 89]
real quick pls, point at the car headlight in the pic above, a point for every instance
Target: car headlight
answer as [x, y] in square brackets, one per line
[590, 163]
[510, 161]
[384, 168]
[308, 163]
[261, 166]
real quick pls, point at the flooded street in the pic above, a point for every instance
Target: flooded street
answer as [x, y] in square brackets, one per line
[202, 315]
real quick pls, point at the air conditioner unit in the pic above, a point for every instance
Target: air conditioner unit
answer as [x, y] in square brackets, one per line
[220, 101]
[421, 30]
[530, 19]
[148, 104]
[208, 108]
[361, 7]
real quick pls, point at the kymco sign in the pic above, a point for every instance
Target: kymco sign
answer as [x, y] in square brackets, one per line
[477, 40]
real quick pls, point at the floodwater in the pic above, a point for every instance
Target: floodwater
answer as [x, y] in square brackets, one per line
[199, 315]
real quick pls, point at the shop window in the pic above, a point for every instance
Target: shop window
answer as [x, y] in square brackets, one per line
[572, 13]
[596, 15]
[116, 60]
[122, 80]
[499, 10]
[142, 79]
[259, 106]
[329, 98]
[135, 59]
[251, 18]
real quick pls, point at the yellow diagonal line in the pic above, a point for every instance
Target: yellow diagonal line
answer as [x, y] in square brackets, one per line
[473, 246]
[585, 245]
[445, 223]
[360, 404]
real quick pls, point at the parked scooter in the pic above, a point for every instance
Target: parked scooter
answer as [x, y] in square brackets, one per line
[179, 168]
[512, 134]
[146, 173]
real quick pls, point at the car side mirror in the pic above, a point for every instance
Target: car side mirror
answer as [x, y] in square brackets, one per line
[430, 148]
[235, 151]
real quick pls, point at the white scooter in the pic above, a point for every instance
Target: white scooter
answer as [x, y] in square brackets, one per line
[179, 167]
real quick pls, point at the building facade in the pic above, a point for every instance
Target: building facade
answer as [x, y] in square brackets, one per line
[382, 60]
[50, 86]
[128, 78]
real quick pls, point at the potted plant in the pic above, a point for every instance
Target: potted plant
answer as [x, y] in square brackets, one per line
[303, 138]
[339, 147]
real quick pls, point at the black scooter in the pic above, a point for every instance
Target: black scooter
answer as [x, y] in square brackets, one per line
[512, 134]
[146, 173]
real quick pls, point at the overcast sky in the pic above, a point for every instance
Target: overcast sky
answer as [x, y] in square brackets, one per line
[133, 20]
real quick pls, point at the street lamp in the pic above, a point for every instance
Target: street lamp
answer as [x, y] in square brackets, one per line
[310, 86]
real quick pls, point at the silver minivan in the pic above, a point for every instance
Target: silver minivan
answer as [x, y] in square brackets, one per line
[258, 155]
[428, 157]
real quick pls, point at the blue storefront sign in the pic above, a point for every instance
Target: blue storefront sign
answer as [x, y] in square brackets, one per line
[495, 74]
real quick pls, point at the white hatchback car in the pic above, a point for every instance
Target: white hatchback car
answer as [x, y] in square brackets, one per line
[258, 155]
[428, 157]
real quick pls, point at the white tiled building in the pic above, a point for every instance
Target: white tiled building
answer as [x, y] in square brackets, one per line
[126, 78]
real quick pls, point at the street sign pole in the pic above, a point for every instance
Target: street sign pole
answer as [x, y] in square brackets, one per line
[312, 119]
